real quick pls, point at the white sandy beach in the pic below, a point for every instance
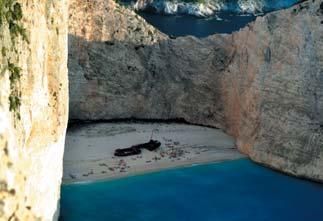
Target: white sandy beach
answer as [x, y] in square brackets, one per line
[89, 149]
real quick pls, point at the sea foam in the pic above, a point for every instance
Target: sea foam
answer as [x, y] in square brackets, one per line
[206, 8]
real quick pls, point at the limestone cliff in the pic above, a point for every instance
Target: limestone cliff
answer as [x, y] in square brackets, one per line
[262, 84]
[107, 21]
[273, 90]
[33, 107]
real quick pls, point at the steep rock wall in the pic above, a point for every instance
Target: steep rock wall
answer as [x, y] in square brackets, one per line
[101, 20]
[263, 84]
[273, 90]
[33, 123]
[168, 80]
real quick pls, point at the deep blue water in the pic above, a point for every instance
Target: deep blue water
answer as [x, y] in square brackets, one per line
[199, 27]
[231, 191]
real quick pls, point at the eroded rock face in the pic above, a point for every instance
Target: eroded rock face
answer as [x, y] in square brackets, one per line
[262, 84]
[107, 21]
[273, 93]
[167, 80]
[32, 145]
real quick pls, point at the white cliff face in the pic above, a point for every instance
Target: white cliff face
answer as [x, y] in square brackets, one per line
[32, 134]
[275, 104]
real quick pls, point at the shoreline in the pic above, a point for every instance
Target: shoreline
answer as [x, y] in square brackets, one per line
[158, 168]
[89, 154]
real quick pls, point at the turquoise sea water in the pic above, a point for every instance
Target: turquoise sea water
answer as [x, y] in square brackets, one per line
[231, 191]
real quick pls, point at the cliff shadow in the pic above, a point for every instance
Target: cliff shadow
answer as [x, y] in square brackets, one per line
[171, 79]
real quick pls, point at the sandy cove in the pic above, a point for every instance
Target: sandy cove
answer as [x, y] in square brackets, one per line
[89, 149]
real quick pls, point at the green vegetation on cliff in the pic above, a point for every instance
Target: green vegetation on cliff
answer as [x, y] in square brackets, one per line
[10, 17]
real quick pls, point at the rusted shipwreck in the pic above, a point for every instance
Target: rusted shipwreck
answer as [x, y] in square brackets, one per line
[136, 149]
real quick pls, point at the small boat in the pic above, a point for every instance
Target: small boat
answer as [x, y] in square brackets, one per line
[136, 149]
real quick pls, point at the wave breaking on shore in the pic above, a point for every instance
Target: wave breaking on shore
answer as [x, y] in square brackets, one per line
[206, 8]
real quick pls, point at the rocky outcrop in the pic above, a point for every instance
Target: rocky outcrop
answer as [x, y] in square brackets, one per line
[273, 90]
[33, 107]
[205, 8]
[262, 84]
[107, 21]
